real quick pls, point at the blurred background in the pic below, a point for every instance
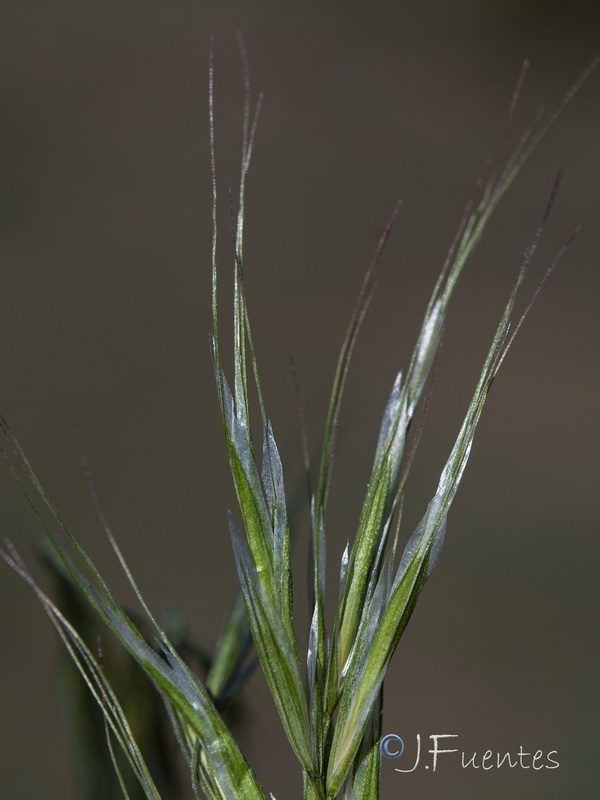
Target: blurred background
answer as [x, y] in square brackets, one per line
[104, 320]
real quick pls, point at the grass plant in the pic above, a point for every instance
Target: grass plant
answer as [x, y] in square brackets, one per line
[329, 695]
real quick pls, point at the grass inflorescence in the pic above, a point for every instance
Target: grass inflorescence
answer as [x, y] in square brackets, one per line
[329, 695]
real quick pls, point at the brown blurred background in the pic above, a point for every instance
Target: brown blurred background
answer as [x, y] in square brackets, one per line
[105, 239]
